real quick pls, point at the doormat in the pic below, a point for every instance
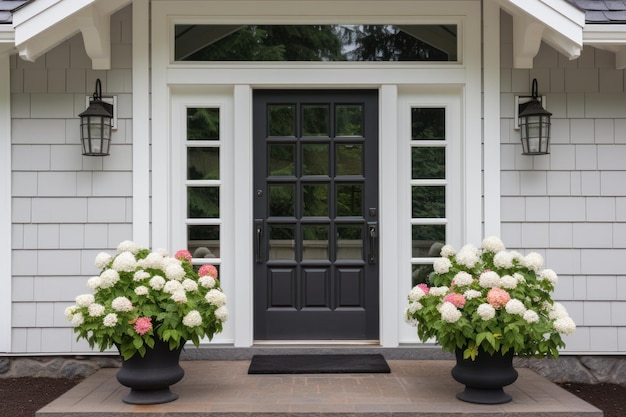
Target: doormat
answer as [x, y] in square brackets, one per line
[318, 364]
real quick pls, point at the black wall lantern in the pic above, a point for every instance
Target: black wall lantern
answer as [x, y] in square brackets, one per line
[95, 125]
[534, 123]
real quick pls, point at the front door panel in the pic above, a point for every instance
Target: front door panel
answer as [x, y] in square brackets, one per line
[316, 215]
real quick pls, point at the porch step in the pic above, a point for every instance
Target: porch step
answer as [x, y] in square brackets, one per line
[414, 388]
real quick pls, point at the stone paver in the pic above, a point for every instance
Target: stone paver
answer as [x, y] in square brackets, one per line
[224, 389]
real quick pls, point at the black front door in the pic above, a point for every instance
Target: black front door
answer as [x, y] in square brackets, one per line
[316, 215]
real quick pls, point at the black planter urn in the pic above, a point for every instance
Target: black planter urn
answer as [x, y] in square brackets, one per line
[485, 377]
[149, 377]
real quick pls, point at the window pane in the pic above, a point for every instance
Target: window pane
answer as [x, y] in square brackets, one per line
[281, 120]
[349, 159]
[350, 241]
[282, 243]
[420, 274]
[315, 200]
[203, 124]
[203, 163]
[315, 120]
[349, 199]
[281, 159]
[429, 202]
[428, 163]
[315, 159]
[427, 240]
[349, 120]
[203, 202]
[315, 242]
[203, 241]
[428, 124]
[282, 199]
[316, 43]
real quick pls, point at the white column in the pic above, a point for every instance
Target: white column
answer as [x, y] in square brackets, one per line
[141, 122]
[5, 203]
[491, 116]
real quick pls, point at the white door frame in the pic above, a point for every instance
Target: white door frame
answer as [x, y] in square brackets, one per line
[168, 77]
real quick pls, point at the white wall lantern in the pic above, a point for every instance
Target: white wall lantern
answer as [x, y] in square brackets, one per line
[534, 123]
[95, 125]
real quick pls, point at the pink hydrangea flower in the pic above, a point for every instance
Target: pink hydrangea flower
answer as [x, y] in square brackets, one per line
[143, 325]
[497, 297]
[424, 288]
[183, 253]
[209, 270]
[457, 299]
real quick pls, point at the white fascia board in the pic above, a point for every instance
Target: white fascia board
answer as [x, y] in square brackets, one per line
[7, 39]
[604, 35]
[36, 18]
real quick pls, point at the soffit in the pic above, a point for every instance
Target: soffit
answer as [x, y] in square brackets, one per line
[43, 24]
[556, 22]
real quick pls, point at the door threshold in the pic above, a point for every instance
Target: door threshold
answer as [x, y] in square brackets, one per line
[312, 343]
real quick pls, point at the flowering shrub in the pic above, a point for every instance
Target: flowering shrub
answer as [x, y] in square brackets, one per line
[491, 299]
[142, 295]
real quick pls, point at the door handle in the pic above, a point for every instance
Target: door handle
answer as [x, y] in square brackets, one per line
[258, 243]
[372, 234]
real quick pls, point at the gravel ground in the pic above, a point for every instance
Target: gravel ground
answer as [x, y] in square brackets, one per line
[22, 397]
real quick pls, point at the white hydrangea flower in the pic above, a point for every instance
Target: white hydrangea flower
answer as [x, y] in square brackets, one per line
[109, 278]
[157, 282]
[492, 244]
[468, 256]
[515, 306]
[142, 290]
[438, 291]
[414, 306]
[221, 314]
[447, 250]
[174, 272]
[110, 320]
[408, 319]
[486, 311]
[94, 283]
[77, 319]
[449, 312]
[565, 325]
[172, 286]
[128, 246]
[549, 275]
[503, 260]
[207, 281]
[163, 252]
[557, 311]
[519, 278]
[152, 261]
[416, 293]
[179, 296]
[442, 265]
[192, 319]
[216, 298]
[95, 310]
[168, 260]
[471, 294]
[533, 261]
[84, 300]
[463, 279]
[70, 311]
[121, 304]
[531, 317]
[125, 262]
[140, 275]
[102, 260]
[190, 285]
[508, 282]
[489, 279]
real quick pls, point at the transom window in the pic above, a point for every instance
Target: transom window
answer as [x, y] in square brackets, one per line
[316, 43]
[428, 188]
[203, 183]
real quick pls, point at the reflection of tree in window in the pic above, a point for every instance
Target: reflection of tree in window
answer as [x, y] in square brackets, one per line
[282, 200]
[429, 202]
[428, 123]
[428, 163]
[281, 120]
[203, 123]
[322, 43]
[203, 202]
